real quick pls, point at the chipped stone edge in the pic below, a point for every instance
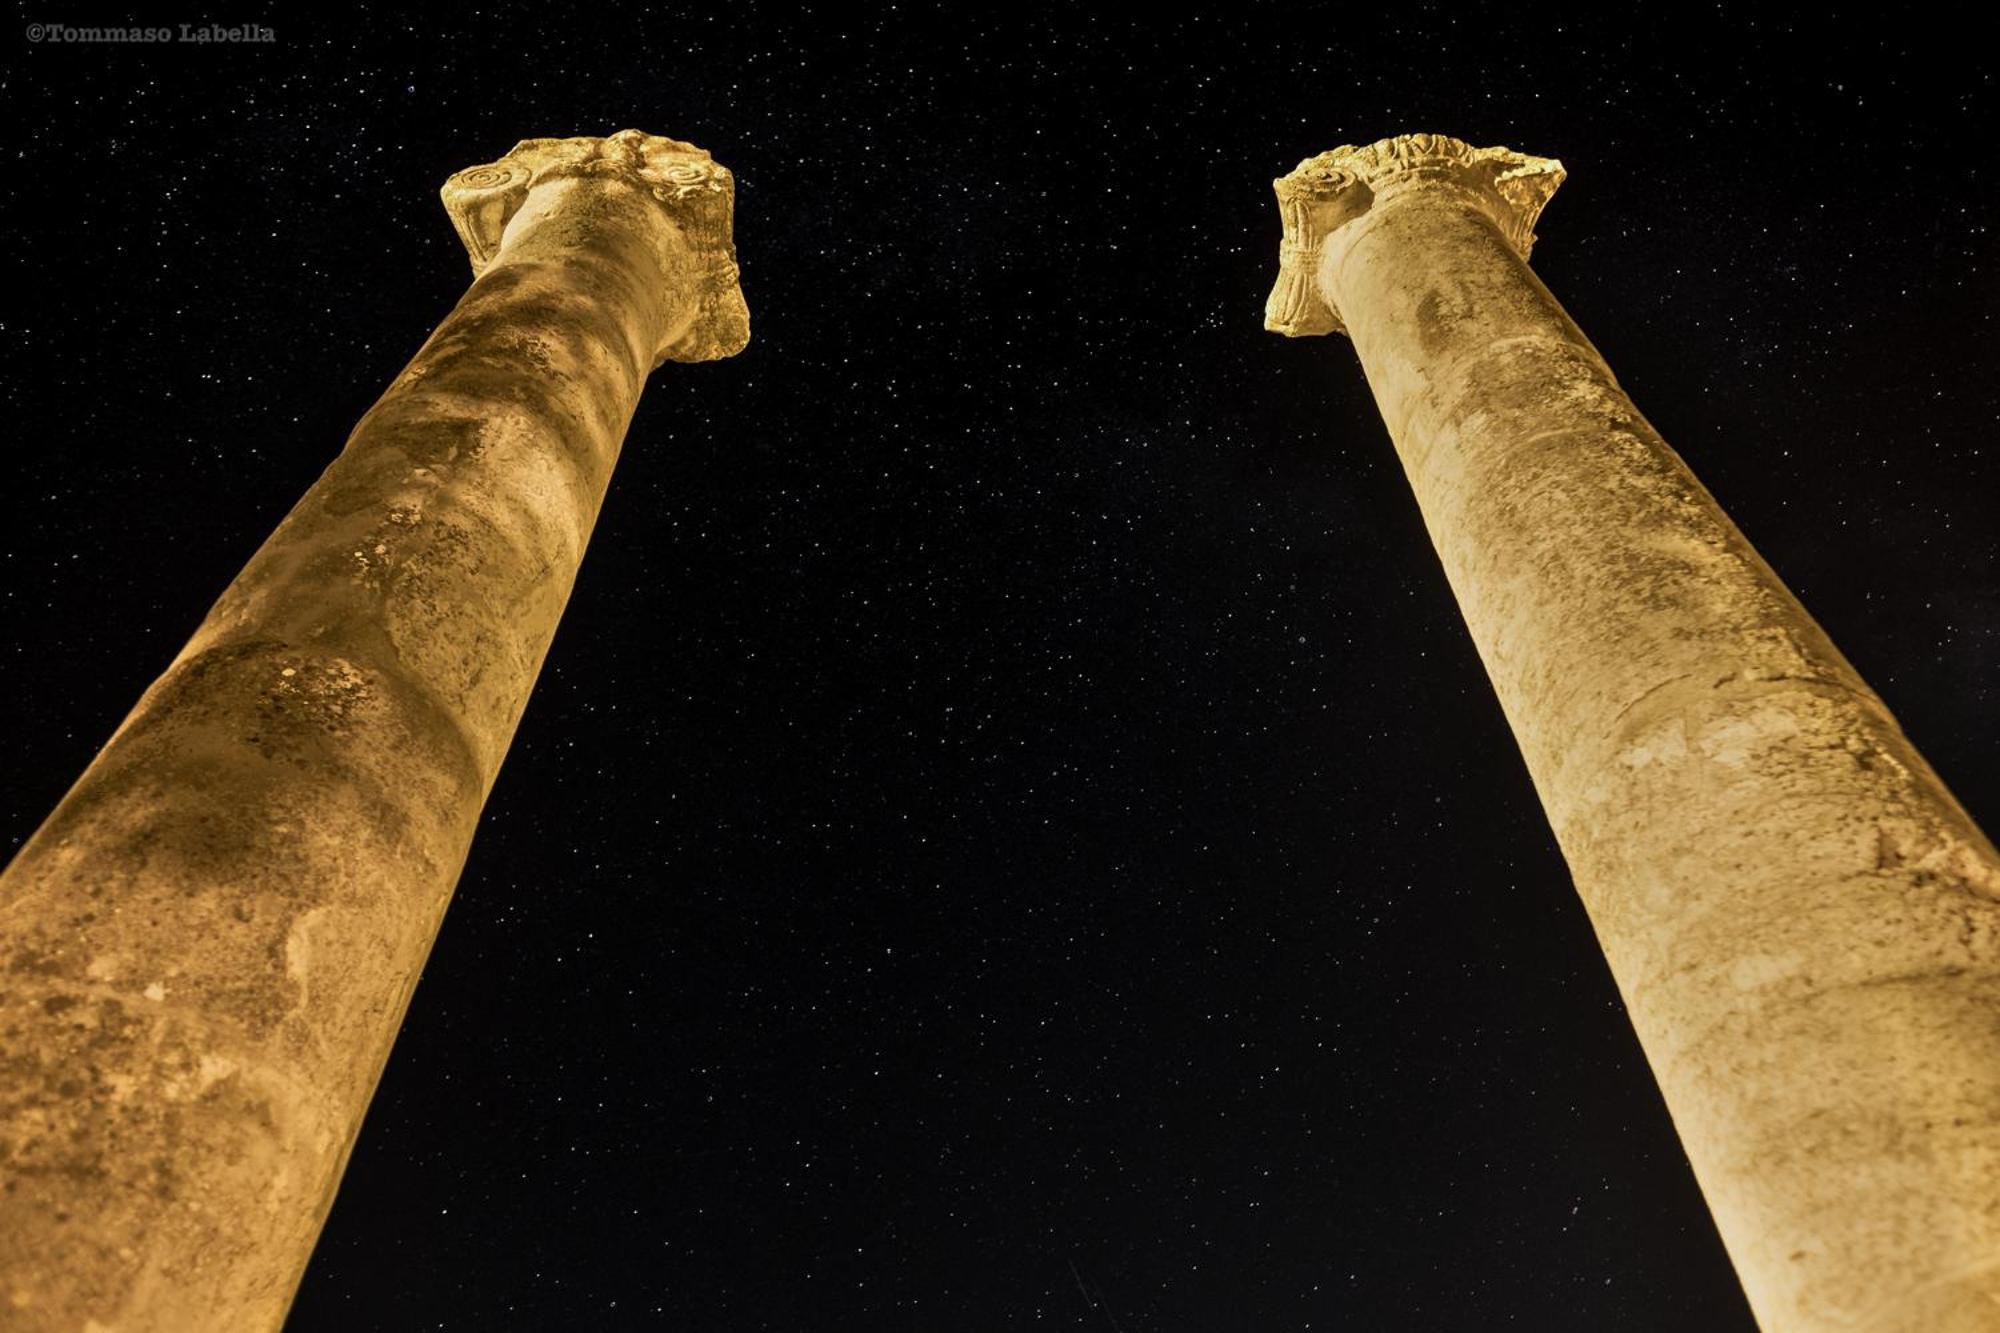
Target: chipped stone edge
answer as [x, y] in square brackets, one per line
[1322, 193]
[698, 193]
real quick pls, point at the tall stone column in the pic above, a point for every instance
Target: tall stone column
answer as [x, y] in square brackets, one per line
[1804, 924]
[208, 947]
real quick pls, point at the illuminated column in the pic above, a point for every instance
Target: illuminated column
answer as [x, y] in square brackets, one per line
[208, 947]
[1803, 922]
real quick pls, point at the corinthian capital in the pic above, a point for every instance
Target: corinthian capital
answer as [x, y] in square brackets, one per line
[1324, 193]
[697, 193]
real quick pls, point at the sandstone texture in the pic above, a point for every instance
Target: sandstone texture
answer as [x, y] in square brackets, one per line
[209, 946]
[1804, 924]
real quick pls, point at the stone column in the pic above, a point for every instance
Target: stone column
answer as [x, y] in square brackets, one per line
[208, 947]
[1801, 919]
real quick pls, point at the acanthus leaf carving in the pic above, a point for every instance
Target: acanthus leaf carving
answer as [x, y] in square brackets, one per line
[698, 192]
[1325, 192]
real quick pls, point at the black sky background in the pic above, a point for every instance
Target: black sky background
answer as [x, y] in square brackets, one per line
[1012, 831]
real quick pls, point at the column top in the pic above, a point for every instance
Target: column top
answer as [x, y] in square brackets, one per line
[1322, 193]
[696, 190]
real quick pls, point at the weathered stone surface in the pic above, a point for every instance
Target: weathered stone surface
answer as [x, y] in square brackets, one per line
[208, 947]
[699, 194]
[1804, 923]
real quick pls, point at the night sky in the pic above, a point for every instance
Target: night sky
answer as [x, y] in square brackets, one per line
[1012, 831]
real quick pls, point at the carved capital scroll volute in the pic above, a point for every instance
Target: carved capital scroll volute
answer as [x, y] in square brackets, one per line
[1324, 193]
[697, 193]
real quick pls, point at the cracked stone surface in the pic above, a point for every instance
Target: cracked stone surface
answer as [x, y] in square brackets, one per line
[209, 946]
[1805, 925]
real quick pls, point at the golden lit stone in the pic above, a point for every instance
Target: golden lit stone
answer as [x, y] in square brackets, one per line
[210, 944]
[1802, 920]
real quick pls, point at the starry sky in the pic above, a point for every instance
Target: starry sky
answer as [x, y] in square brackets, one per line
[1012, 832]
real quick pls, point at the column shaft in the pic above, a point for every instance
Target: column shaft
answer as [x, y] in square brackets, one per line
[210, 944]
[1803, 922]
